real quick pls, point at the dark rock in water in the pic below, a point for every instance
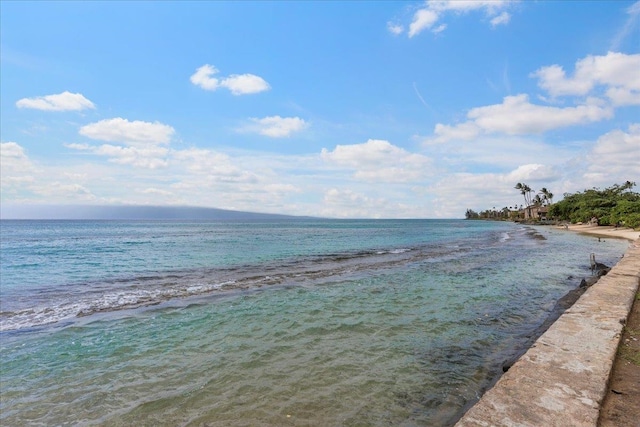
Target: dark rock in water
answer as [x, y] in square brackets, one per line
[603, 271]
[589, 281]
[535, 235]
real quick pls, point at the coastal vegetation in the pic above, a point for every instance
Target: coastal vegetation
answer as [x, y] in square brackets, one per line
[506, 213]
[617, 205]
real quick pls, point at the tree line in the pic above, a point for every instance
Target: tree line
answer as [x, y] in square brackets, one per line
[615, 205]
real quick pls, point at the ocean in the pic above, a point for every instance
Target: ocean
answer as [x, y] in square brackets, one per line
[271, 323]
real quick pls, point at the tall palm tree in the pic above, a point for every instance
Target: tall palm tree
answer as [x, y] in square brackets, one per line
[547, 196]
[526, 191]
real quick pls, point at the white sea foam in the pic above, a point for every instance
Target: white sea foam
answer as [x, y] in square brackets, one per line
[400, 251]
[393, 251]
[95, 303]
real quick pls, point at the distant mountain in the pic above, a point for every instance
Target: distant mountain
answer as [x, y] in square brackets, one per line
[131, 212]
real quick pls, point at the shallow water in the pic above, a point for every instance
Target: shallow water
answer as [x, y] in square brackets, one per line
[337, 323]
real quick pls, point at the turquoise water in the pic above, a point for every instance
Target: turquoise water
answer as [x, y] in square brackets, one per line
[332, 323]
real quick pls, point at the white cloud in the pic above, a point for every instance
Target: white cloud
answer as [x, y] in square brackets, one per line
[202, 77]
[496, 152]
[22, 178]
[425, 18]
[132, 133]
[156, 191]
[15, 167]
[553, 80]
[378, 160]
[75, 146]
[140, 142]
[374, 153]
[13, 158]
[238, 84]
[621, 96]
[243, 84]
[617, 154]
[242, 180]
[463, 131]
[149, 156]
[346, 198]
[212, 166]
[440, 28]
[533, 172]
[12, 150]
[501, 19]
[491, 7]
[395, 29]
[276, 126]
[64, 191]
[618, 72]
[634, 14]
[346, 203]
[65, 101]
[10, 183]
[517, 116]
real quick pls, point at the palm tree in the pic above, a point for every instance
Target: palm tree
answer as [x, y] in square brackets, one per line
[547, 196]
[526, 191]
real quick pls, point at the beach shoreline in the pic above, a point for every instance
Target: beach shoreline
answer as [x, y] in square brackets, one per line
[603, 231]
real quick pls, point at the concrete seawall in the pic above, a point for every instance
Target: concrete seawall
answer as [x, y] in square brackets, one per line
[562, 379]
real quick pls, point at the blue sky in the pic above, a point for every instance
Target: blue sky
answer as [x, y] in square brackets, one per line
[338, 109]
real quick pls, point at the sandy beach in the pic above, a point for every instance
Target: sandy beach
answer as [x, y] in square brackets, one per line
[605, 231]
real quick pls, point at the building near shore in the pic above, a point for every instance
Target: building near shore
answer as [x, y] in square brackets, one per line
[534, 212]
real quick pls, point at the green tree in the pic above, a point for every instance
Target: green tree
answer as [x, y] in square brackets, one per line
[613, 205]
[471, 214]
